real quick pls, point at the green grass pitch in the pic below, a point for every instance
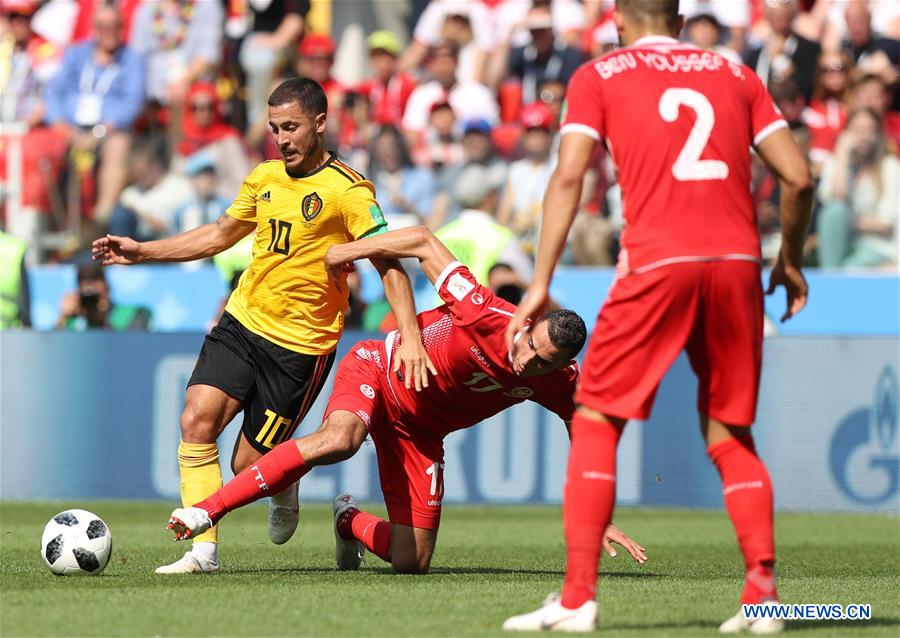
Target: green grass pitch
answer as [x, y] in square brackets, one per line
[491, 562]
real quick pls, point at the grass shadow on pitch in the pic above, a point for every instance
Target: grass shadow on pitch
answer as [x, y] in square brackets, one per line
[644, 628]
[506, 571]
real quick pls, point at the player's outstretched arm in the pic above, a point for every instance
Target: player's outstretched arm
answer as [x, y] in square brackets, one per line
[784, 158]
[417, 241]
[560, 205]
[203, 241]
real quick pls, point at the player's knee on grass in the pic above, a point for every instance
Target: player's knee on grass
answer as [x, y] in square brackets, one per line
[412, 549]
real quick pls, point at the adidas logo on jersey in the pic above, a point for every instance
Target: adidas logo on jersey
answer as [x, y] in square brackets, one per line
[266, 197]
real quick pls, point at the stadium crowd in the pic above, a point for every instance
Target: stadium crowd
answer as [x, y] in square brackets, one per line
[141, 117]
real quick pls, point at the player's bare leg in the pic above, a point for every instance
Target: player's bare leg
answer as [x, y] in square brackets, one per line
[408, 549]
[337, 439]
[207, 412]
[284, 507]
[412, 549]
[747, 490]
[588, 504]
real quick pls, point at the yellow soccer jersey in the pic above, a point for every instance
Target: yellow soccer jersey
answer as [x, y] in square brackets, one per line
[285, 295]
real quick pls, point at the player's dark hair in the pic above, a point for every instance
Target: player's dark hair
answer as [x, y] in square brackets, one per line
[307, 93]
[566, 330]
[651, 10]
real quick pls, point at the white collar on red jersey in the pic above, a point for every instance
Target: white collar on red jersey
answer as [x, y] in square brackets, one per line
[650, 40]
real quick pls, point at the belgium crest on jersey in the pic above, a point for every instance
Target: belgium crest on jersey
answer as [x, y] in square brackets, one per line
[311, 207]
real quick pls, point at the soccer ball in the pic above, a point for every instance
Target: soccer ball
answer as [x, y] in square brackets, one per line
[76, 543]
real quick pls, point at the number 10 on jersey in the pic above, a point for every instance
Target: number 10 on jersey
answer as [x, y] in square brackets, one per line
[281, 236]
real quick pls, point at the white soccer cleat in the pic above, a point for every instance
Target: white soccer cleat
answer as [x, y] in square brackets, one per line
[760, 626]
[348, 553]
[284, 514]
[188, 522]
[552, 616]
[191, 563]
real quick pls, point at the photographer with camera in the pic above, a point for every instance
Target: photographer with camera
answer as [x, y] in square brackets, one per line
[90, 307]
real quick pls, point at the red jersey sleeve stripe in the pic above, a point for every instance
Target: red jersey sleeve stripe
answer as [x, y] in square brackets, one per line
[768, 130]
[584, 129]
[439, 282]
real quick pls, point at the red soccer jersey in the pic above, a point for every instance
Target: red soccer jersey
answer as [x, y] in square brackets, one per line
[475, 381]
[679, 122]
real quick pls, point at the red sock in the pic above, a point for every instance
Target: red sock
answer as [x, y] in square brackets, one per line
[588, 500]
[748, 500]
[271, 474]
[371, 531]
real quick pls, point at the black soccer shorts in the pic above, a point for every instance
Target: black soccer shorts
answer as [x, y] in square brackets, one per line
[277, 386]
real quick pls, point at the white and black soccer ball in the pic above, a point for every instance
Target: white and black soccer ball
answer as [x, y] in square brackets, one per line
[76, 543]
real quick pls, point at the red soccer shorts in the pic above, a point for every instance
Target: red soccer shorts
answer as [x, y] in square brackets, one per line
[713, 309]
[410, 465]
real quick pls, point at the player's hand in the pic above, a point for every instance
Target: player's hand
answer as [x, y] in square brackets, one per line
[614, 535]
[111, 250]
[794, 284]
[532, 307]
[337, 268]
[412, 364]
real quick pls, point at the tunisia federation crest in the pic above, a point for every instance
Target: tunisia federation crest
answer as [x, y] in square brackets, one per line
[311, 207]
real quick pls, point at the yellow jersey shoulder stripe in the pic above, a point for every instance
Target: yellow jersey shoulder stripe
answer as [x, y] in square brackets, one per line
[347, 175]
[352, 172]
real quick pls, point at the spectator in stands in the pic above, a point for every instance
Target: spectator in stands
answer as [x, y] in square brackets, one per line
[788, 97]
[27, 63]
[15, 300]
[870, 92]
[91, 307]
[478, 148]
[861, 41]
[182, 41]
[203, 130]
[475, 238]
[315, 62]
[860, 194]
[439, 146]
[206, 205]
[389, 89]
[704, 31]
[827, 112]
[95, 99]
[553, 94]
[545, 57]
[505, 283]
[405, 192]
[276, 27]
[464, 24]
[146, 209]
[357, 129]
[84, 19]
[526, 181]
[570, 18]
[784, 54]
[733, 16]
[469, 100]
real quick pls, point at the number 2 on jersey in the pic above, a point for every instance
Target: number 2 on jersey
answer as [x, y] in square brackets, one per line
[689, 167]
